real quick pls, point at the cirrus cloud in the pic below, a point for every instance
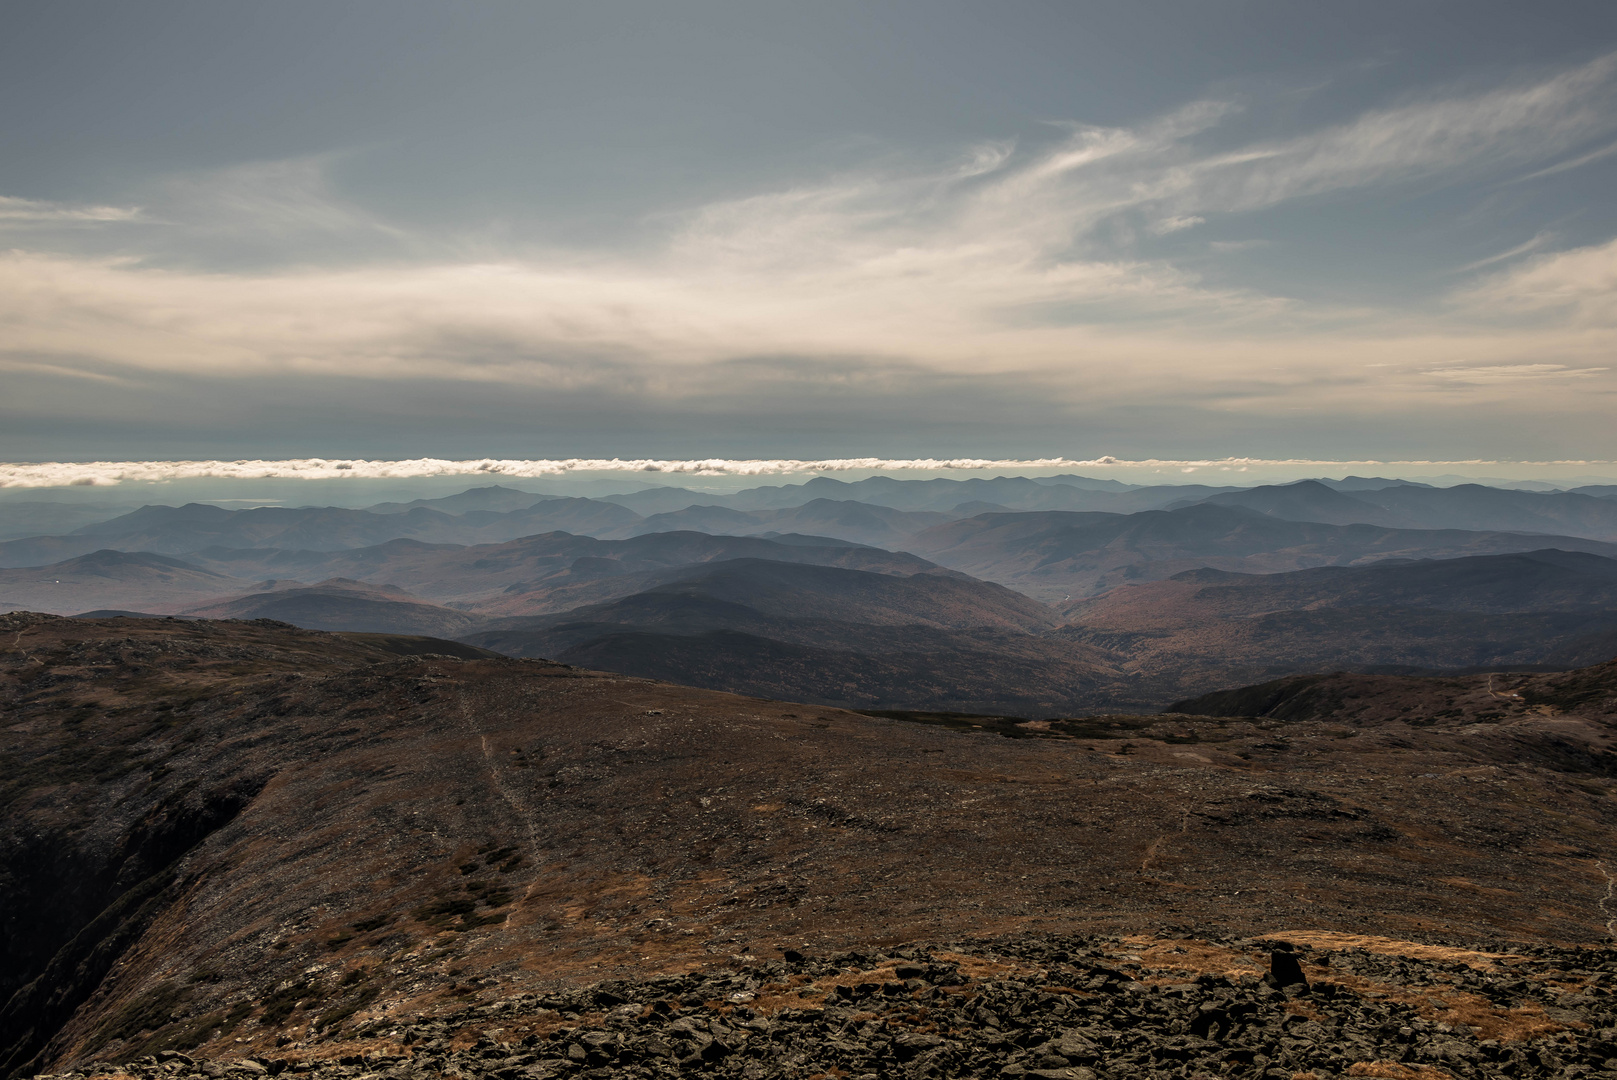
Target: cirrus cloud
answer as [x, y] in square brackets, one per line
[1004, 263]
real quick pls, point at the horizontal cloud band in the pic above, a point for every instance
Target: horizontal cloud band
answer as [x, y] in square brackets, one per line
[108, 473]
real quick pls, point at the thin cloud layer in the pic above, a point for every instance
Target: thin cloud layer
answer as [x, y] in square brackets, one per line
[112, 473]
[1030, 264]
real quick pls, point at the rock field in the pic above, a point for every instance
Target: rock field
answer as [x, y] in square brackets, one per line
[1038, 1008]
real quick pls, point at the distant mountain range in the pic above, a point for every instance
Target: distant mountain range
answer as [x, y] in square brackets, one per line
[1466, 506]
[136, 581]
[1205, 627]
[1063, 557]
[915, 515]
[788, 592]
[342, 604]
[550, 572]
[828, 634]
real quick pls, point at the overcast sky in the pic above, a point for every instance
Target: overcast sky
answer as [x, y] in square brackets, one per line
[403, 229]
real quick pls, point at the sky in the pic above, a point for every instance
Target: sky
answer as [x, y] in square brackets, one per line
[1155, 230]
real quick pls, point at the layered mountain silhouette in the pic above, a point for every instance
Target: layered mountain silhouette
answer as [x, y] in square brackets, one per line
[1060, 556]
[861, 522]
[1405, 506]
[139, 581]
[1206, 627]
[551, 571]
[495, 498]
[897, 514]
[827, 634]
[185, 529]
[341, 604]
[802, 591]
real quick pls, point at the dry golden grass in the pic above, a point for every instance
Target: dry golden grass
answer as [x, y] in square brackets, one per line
[805, 992]
[1519, 1024]
[1392, 1070]
[1326, 939]
[1457, 1008]
[1189, 958]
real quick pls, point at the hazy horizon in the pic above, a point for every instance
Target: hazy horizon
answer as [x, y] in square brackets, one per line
[359, 483]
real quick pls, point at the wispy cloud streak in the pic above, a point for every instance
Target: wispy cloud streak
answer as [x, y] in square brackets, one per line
[15, 211]
[1006, 262]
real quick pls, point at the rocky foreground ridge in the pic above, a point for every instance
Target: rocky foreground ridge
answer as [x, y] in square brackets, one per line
[244, 842]
[1047, 1008]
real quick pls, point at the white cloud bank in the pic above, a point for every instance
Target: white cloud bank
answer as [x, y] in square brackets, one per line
[111, 473]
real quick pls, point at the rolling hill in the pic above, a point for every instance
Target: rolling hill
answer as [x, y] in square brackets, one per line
[827, 634]
[182, 530]
[341, 604]
[1054, 556]
[137, 581]
[1211, 628]
[1408, 506]
[547, 572]
[859, 522]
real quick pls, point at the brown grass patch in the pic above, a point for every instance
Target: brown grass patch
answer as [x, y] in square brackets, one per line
[803, 992]
[1520, 1024]
[1304, 1009]
[1326, 939]
[1457, 1008]
[976, 967]
[1190, 958]
[1393, 1070]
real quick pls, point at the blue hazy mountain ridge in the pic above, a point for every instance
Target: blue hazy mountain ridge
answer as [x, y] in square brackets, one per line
[344, 605]
[35, 517]
[942, 495]
[1464, 506]
[1368, 483]
[196, 526]
[1308, 500]
[185, 529]
[1049, 555]
[496, 498]
[938, 495]
[1061, 556]
[124, 580]
[537, 573]
[532, 574]
[871, 519]
[810, 617]
[870, 523]
[830, 635]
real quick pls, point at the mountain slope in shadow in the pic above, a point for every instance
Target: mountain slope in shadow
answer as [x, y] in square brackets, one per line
[1207, 628]
[549, 571]
[827, 634]
[342, 604]
[1054, 556]
[113, 579]
[1411, 506]
[863, 523]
